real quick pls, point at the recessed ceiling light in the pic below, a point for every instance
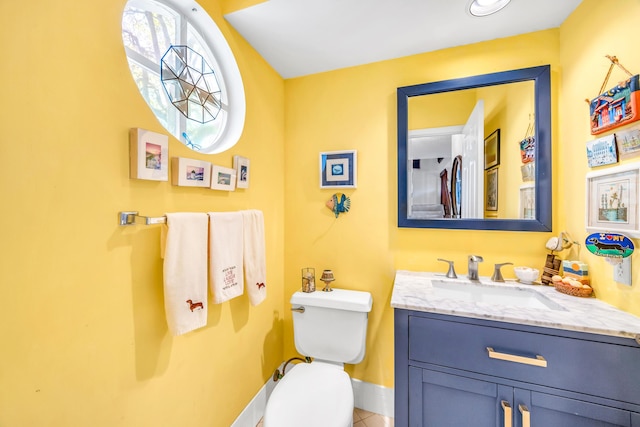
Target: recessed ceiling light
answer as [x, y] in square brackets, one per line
[486, 7]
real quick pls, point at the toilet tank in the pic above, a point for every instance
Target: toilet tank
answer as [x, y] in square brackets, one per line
[333, 326]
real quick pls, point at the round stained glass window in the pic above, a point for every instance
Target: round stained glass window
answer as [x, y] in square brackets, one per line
[185, 71]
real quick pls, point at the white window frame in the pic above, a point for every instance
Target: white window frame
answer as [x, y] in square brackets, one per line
[225, 67]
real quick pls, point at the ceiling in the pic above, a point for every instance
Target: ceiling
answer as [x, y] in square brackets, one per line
[301, 37]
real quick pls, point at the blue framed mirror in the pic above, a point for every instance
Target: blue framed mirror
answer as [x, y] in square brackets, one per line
[451, 172]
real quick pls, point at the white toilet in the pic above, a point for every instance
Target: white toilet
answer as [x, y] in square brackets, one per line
[330, 327]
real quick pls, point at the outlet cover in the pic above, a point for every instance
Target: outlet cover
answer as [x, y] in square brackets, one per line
[622, 271]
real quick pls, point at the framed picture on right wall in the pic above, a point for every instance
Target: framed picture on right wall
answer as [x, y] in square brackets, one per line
[612, 200]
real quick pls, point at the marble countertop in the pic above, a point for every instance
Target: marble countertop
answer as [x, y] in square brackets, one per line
[415, 291]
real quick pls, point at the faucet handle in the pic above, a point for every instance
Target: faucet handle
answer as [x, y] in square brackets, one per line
[452, 272]
[497, 274]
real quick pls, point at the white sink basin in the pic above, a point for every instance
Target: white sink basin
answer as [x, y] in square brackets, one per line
[501, 295]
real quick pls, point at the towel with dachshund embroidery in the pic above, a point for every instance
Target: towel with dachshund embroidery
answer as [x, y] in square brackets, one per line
[184, 251]
[255, 265]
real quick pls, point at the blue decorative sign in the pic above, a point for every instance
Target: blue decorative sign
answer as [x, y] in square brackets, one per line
[610, 245]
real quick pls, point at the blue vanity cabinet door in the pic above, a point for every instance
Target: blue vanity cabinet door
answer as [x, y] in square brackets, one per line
[556, 411]
[438, 399]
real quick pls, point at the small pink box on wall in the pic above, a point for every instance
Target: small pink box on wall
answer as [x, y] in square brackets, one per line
[148, 155]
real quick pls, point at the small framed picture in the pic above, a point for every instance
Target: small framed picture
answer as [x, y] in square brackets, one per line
[527, 205]
[241, 165]
[223, 178]
[190, 172]
[148, 155]
[602, 151]
[612, 200]
[338, 169]
[628, 142]
[492, 190]
[492, 150]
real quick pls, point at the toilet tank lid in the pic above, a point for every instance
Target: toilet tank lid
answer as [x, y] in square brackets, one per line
[339, 299]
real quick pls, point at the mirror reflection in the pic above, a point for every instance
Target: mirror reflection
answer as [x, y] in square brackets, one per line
[483, 132]
[475, 152]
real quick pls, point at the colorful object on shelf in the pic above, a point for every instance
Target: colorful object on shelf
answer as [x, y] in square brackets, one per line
[609, 245]
[528, 149]
[576, 270]
[339, 203]
[617, 106]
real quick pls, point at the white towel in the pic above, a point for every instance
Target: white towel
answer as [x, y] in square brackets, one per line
[226, 278]
[255, 264]
[185, 271]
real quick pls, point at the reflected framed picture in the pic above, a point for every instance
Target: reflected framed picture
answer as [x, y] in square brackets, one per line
[492, 190]
[492, 150]
[148, 155]
[612, 200]
[527, 204]
[190, 172]
[338, 169]
[223, 178]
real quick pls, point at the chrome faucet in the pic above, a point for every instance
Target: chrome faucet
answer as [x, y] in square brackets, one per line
[473, 266]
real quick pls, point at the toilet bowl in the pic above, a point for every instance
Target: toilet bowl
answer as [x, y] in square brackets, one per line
[311, 395]
[331, 328]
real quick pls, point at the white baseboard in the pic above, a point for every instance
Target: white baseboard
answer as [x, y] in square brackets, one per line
[373, 397]
[367, 396]
[254, 411]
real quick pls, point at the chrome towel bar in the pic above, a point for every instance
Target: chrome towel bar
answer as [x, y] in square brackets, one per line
[131, 217]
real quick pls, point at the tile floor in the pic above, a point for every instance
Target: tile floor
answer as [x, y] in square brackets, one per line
[362, 418]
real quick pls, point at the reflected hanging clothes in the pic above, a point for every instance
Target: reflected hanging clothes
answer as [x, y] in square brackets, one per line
[445, 195]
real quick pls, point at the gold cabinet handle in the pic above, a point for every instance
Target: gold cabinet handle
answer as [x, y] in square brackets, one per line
[526, 416]
[538, 361]
[507, 413]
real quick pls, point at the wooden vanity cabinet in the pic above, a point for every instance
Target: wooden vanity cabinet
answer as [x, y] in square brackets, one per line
[457, 371]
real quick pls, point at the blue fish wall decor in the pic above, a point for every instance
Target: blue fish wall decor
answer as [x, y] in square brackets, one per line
[339, 203]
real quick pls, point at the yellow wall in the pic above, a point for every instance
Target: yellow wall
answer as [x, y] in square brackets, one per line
[511, 109]
[84, 337]
[585, 38]
[355, 108]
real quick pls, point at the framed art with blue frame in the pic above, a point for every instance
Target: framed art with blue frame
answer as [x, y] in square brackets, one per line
[338, 169]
